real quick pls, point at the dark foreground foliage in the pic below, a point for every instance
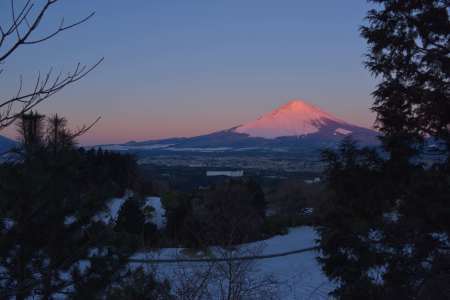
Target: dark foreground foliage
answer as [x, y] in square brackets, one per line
[53, 242]
[226, 213]
[385, 228]
[384, 235]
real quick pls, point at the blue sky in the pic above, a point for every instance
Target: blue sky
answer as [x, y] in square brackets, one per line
[181, 68]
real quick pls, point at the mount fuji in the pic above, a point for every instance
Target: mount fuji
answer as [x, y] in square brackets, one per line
[296, 125]
[297, 118]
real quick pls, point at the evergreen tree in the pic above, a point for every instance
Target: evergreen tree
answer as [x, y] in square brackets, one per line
[409, 45]
[131, 218]
[178, 207]
[351, 219]
[58, 136]
[385, 229]
[31, 130]
[231, 212]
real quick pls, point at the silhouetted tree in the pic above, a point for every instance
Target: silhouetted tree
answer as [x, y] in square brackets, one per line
[348, 216]
[178, 207]
[409, 52]
[130, 218]
[30, 128]
[231, 212]
[384, 229]
[58, 136]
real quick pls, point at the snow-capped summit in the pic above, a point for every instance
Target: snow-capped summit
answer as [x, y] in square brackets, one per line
[295, 118]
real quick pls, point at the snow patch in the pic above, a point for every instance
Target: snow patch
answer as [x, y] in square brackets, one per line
[131, 148]
[69, 220]
[311, 181]
[376, 274]
[392, 216]
[343, 131]
[112, 211]
[159, 214]
[239, 173]
[8, 223]
[192, 149]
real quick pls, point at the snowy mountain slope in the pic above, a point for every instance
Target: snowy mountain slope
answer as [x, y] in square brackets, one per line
[296, 118]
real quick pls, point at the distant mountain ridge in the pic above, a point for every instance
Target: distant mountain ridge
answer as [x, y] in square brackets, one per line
[6, 144]
[294, 125]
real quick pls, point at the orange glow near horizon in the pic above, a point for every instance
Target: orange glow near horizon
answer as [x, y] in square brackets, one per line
[110, 131]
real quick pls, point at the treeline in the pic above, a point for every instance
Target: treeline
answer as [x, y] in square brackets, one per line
[226, 213]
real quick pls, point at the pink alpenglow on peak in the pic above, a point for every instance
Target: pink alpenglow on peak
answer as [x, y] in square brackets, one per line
[295, 118]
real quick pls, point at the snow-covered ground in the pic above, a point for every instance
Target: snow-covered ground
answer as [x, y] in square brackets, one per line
[297, 276]
[158, 217]
[112, 210]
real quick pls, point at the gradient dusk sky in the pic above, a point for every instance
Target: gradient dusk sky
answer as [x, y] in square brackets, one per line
[183, 68]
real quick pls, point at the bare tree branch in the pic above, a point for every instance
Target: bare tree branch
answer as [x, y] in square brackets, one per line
[44, 88]
[85, 128]
[25, 21]
[18, 21]
[59, 30]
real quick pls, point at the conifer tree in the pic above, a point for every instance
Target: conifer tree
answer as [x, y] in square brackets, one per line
[409, 44]
[384, 229]
[131, 218]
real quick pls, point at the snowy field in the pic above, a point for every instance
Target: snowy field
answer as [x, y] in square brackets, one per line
[297, 276]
